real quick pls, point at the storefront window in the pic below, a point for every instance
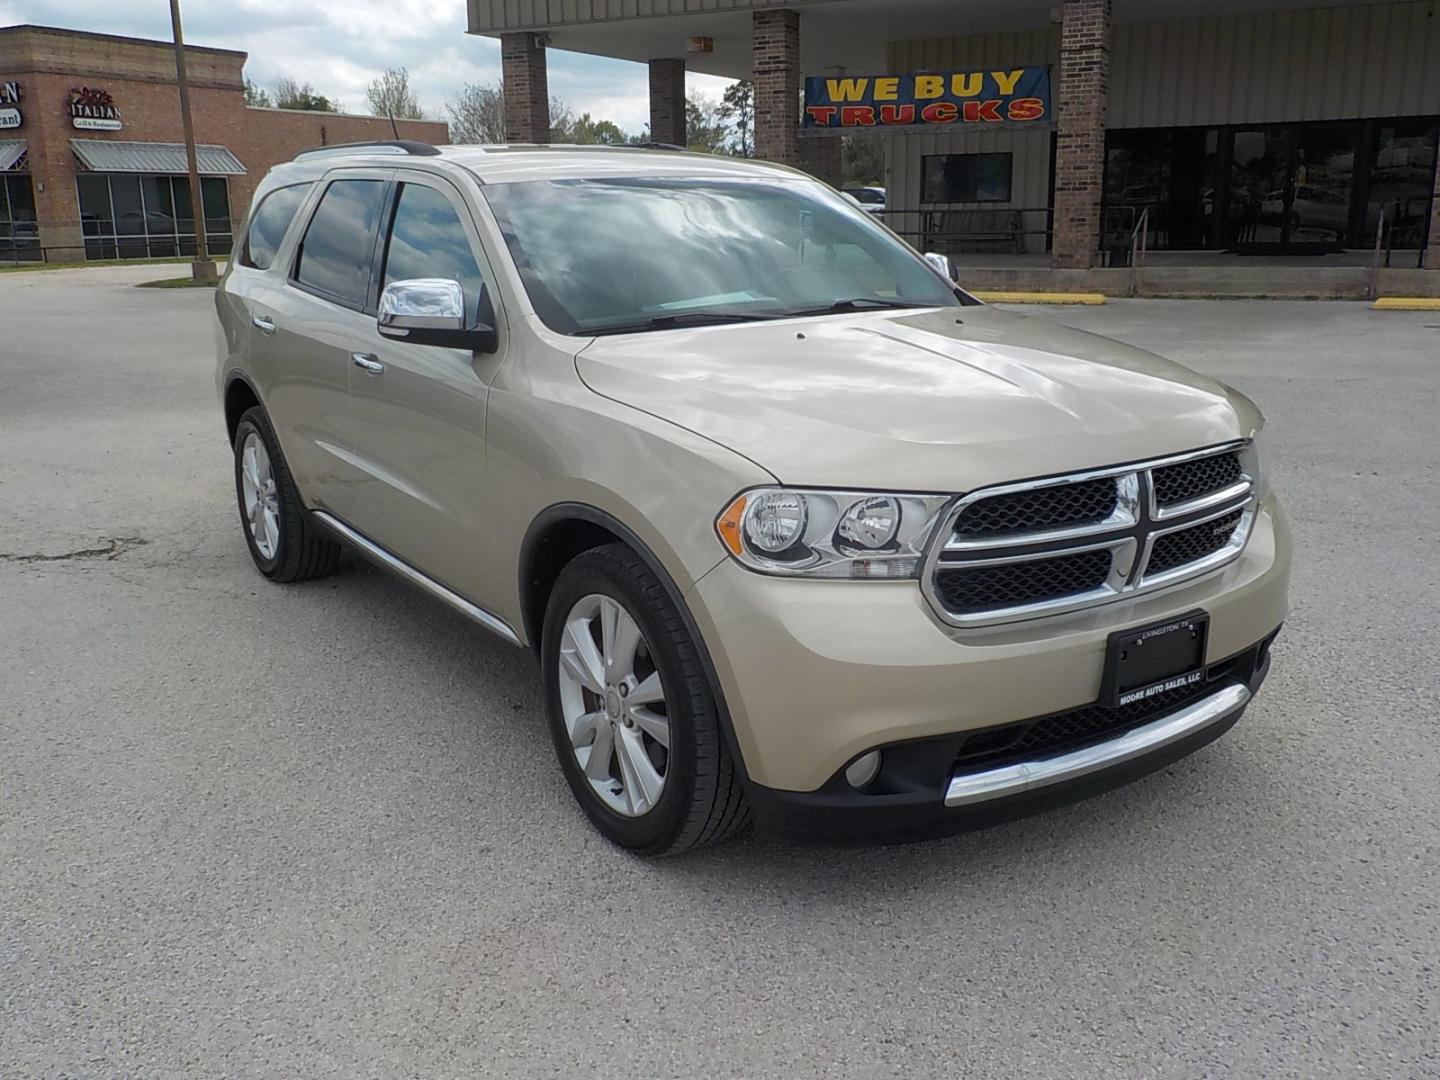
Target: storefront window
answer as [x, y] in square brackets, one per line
[1401, 177]
[964, 178]
[1171, 174]
[130, 216]
[19, 238]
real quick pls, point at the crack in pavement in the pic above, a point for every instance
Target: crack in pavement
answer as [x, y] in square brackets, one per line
[116, 546]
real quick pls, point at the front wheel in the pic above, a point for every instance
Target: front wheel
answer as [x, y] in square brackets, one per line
[634, 722]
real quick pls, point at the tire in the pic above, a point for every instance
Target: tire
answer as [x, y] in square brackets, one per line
[701, 800]
[294, 549]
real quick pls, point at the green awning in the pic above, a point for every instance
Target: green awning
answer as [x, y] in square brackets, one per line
[12, 151]
[105, 155]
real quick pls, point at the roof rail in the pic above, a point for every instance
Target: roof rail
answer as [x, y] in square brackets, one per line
[377, 146]
[656, 146]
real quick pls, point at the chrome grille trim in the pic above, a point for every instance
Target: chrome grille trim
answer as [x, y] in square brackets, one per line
[1129, 533]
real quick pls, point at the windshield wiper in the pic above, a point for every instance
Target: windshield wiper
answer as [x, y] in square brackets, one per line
[858, 303]
[682, 319]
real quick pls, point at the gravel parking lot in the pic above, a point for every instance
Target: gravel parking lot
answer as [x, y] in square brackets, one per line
[318, 831]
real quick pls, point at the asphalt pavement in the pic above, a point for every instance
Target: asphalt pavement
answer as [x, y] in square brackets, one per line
[318, 831]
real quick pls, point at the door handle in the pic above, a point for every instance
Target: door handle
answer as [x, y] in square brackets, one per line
[264, 323]
[367, 363]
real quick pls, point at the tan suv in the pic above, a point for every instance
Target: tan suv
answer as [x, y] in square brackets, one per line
[796, 526]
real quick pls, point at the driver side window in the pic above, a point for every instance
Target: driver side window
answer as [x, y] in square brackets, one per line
[427, 240]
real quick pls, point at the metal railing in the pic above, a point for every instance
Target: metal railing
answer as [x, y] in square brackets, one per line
[973, 228]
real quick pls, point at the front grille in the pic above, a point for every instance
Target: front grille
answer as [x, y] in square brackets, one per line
[1062, 732]
[1083, 538]
[981, 587]
[1189, 545]
[1186, 480]
[1087, 502]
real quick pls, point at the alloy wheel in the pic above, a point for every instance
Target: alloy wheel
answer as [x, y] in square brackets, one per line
[261, 500]
[614, 705]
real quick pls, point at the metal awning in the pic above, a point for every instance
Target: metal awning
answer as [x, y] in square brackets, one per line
[11, 151]
[103, 155]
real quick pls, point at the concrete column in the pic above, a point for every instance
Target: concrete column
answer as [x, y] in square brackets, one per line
[823, 158]
[775, 70]
[527, 88]
[1432, 249]
[1080, 144]
[667, 101]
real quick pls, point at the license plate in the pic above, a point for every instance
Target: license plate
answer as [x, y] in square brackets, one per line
[1154, 659]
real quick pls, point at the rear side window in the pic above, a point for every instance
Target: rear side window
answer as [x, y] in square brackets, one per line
[428, 241]
[268, 225]
[339, 243]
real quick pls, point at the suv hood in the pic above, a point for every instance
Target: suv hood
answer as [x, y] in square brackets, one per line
[943, 400]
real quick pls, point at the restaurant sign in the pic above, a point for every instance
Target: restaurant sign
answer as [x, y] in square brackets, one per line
[93, 110]
[9, 98]
[940, 99]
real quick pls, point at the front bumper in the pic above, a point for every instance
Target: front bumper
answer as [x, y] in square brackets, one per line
[815, 673]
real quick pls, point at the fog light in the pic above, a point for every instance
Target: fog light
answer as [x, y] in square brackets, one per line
[863, 769]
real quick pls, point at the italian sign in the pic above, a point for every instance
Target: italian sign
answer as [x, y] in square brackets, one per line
[93, 110]
[10, 97]
[942, 99]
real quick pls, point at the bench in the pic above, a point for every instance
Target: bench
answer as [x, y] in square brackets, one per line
[956, 230]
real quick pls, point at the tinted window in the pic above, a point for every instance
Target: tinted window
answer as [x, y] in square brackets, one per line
[339, 244]
[428, 241]
[268, 225]
[950, 178]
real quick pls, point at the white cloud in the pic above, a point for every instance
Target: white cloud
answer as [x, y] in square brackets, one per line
[339, 47]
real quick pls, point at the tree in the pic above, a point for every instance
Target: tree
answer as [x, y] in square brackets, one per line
[477, 114]
[390, 95]
[863, 160]
[290, 94]
[706, 131]
[737, 109]
[256, 96]
[587, 131]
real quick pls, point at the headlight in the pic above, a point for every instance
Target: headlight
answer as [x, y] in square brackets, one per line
[830, 534]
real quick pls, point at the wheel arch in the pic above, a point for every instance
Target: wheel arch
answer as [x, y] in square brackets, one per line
[564, 530]
[240, 396]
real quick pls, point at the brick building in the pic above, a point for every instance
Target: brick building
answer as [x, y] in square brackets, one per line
[92, 158]
[1048, 129]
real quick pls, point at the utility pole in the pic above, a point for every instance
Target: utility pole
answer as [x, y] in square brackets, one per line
[203, 267]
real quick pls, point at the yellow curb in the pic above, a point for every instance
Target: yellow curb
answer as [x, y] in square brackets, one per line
[1407, 303]
[1040, 297]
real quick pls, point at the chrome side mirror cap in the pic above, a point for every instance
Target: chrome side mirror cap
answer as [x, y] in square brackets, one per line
[431, 311]
[941, 265]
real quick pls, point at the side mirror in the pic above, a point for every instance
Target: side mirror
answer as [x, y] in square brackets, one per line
[431, 311]
[941, 265]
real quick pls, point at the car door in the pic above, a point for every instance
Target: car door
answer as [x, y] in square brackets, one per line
[309, 321]
[418, 411]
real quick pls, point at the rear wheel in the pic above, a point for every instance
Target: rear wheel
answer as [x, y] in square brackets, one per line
[635, 725]
[283, 542]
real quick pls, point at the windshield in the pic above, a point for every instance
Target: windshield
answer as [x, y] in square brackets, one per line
[621, 255]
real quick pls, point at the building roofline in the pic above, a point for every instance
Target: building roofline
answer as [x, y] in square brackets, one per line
[350, 115]
[61, 31]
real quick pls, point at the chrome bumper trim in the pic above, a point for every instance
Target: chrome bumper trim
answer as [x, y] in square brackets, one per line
[393, 563]
[971, 788]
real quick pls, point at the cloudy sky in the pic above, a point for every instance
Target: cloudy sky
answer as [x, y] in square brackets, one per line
[340, 45]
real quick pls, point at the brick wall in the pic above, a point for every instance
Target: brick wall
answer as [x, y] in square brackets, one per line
[140, 77]
[527, 89]
[1080, 142]
[776, 74]
[667, 101]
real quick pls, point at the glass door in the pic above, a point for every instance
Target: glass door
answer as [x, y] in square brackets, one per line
[1292, 188]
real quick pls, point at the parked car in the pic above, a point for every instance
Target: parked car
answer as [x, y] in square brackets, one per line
[796, 526]
[869, 198]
